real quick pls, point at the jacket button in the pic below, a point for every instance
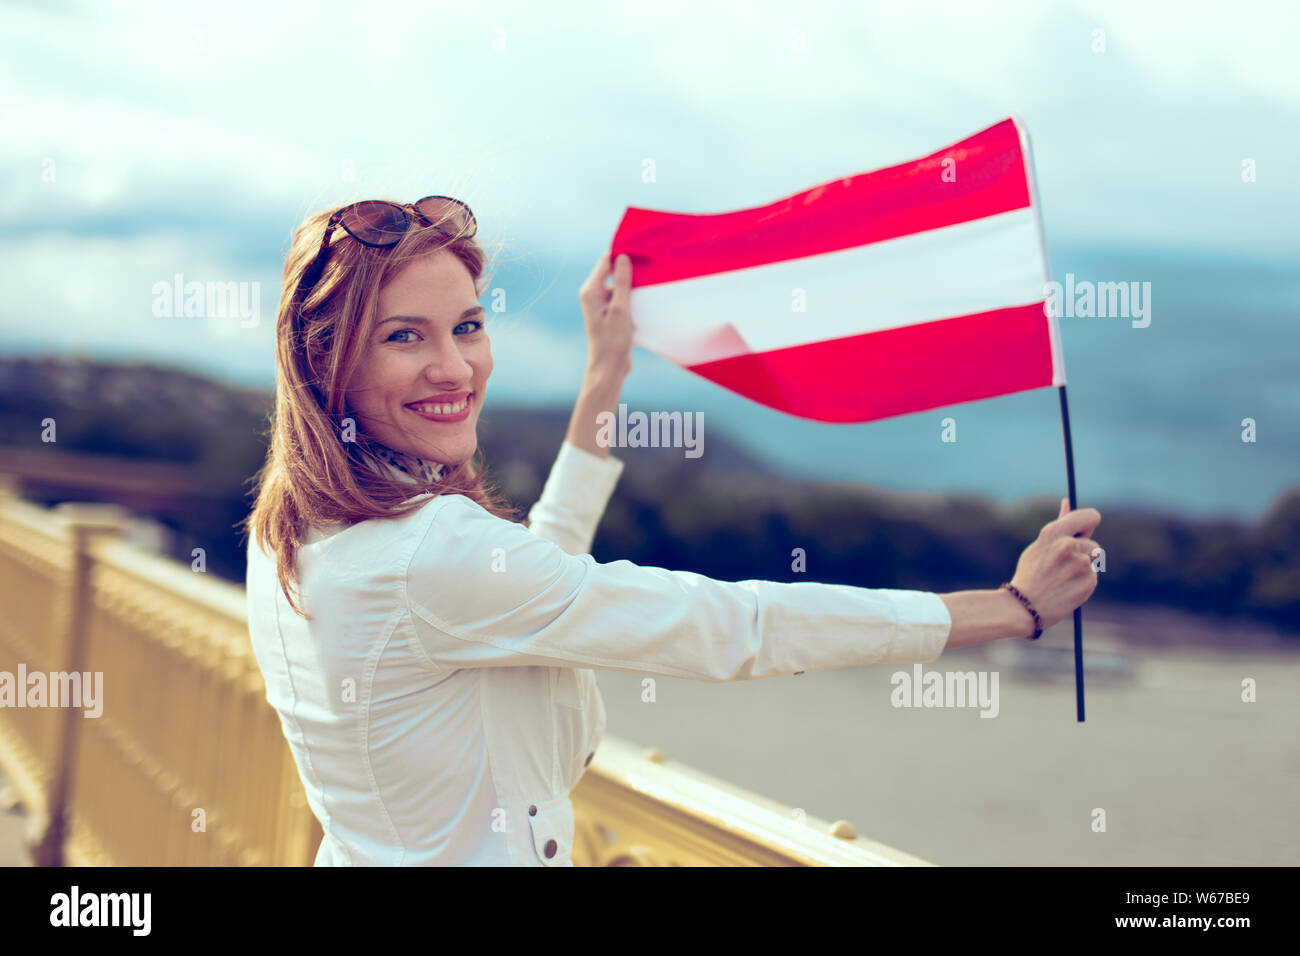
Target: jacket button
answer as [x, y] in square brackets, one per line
[532, 811]
[550, 848]
[587, 762]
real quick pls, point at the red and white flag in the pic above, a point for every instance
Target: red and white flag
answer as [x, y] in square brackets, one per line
[885, 293]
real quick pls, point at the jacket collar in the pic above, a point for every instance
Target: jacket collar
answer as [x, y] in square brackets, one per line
[388, 463]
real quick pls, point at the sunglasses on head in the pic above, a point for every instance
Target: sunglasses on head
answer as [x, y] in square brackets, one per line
[377, 223]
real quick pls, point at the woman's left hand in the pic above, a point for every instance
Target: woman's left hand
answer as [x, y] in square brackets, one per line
[607, 318]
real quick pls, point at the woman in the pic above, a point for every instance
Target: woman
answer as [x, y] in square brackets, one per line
[430, 656]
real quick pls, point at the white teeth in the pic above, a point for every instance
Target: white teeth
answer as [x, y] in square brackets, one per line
[442, 409]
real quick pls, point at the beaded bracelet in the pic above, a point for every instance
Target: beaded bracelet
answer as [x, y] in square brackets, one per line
[1038, 621]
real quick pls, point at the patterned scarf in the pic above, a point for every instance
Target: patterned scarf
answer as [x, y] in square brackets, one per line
[391, 463]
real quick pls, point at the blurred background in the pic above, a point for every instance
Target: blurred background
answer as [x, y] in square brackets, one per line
[155, 144]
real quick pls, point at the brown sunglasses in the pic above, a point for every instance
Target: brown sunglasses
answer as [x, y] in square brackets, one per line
[377, 223]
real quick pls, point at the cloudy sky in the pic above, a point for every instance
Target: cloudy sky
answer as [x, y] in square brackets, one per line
[145, 140]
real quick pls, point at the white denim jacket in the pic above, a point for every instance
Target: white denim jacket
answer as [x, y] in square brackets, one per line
[441, 705]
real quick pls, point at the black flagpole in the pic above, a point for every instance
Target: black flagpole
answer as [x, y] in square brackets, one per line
[1031, 181]
[1078, 611]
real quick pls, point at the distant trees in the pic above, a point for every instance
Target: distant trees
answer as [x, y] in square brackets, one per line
[723, 514]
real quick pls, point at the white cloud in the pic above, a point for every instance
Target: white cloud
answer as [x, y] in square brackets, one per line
[191, 139]
[97, 295]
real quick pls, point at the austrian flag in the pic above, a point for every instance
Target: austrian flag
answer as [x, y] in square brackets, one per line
[880, 294]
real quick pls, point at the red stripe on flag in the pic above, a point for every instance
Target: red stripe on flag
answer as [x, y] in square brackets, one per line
[875, 375]
[870, 207]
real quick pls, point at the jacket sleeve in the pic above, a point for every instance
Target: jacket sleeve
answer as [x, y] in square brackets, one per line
[574, 498]
[484, 592]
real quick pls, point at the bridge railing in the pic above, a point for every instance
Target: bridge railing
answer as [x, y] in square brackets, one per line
[186, 763]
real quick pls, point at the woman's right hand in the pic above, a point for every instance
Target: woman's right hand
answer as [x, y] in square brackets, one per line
[606, 317]
[1055, 572]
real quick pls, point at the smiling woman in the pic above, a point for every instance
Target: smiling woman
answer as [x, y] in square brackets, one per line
[375, 317]
[437, 685]
[426, 364]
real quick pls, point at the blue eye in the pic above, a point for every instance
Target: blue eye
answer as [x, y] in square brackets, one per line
[468, 327]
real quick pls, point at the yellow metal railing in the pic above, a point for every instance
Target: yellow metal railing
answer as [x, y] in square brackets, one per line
[633, 807]
[187, 765]
[36, 574]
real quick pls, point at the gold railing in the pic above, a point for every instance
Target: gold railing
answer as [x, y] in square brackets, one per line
[187, 764]
[634, 807]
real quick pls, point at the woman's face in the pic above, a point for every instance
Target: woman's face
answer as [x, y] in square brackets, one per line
[425, 362]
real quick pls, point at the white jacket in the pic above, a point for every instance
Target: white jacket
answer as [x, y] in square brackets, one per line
[441, 705]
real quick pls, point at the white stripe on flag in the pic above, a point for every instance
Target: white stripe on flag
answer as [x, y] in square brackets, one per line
[972, 267]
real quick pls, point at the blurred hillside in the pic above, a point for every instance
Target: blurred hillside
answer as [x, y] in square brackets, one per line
[724, 514]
